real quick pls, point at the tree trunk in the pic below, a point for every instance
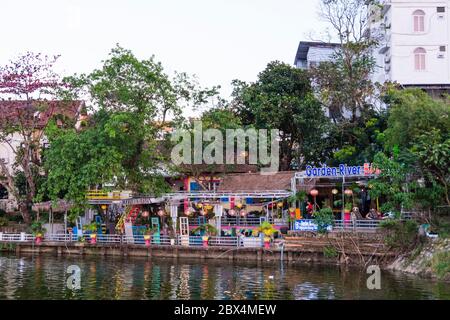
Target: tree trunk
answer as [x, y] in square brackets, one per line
[24, 208]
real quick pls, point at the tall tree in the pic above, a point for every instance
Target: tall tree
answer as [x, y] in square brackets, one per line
[31, 83]
[131, 100]
[344, 84]
[282, 99]
[416, 160]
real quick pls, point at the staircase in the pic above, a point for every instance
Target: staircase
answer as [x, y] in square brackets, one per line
[129, 215]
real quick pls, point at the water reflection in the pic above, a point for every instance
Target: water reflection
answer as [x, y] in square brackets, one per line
[44, 277]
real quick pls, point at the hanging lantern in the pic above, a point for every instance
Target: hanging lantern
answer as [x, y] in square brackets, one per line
[161, 212]
[188, 211]
[104, 206]
[280, 204]
[292, 210]
[203, 212]
[145, 214]
[243, 213]
[231, 212]
[238, 205]
[314, 192]
[348, 192]
[208, 207]
[199, 205]
[334, 191]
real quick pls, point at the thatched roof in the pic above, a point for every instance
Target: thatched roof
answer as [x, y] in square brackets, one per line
[256, 182]
[59, 206]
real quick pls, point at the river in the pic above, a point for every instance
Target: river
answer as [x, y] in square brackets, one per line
[45, 277]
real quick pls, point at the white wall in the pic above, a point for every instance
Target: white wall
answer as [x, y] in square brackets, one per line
[403, 41]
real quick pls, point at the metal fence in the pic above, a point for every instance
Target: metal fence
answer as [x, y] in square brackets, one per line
[162, 240]
[241, 221]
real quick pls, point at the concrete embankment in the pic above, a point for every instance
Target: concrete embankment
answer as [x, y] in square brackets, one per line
[430, 259]
[296, 250]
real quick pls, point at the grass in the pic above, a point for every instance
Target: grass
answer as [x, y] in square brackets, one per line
[440, 264]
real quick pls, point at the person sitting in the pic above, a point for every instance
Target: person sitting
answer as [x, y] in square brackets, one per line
[357, 214]
[373, 214]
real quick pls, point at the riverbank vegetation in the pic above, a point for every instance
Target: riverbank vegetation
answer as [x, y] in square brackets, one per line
[122, 141]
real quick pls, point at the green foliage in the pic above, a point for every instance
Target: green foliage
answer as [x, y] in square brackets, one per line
[400, 234]
[440, 264]
[415, 166]
[210, 230]
[324, 218]
[119, 144]
[330, 252]
[414, 113]
[4, 221]
[92, 227]
[267, 229]
[282, 99]
[37, 228]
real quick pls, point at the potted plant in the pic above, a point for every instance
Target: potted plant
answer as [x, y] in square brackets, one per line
[38, 231]
[268, 230]
[148, 232]
[208, 230]
[93, 229]
[324, 219]
[347, 209]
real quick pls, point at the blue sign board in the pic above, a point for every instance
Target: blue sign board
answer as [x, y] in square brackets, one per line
[307, 225]
[342, 170]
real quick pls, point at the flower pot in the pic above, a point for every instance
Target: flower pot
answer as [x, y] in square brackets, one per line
[38, 239]
[147, 239]
[205, 241]
[267, 243]
[347, 215]
[93, 238]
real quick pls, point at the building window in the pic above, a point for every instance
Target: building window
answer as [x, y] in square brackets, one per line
[442, 48]
[419, 21]
[419, 59]
[440, 9]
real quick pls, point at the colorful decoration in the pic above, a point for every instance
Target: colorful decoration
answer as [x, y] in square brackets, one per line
[348, 192]
[161, 212]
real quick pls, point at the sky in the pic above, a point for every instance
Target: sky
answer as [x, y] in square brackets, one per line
[217, 40]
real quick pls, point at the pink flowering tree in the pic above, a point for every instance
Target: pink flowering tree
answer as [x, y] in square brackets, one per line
[28, 87]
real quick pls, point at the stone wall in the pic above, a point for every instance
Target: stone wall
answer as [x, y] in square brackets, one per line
[431, 259]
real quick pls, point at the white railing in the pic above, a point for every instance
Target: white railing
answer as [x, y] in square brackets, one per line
[162, 240]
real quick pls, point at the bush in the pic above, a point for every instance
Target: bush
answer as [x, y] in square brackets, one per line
[324, 219]
[330, 252]
[3, 221]
[400, 234]
[440, 264]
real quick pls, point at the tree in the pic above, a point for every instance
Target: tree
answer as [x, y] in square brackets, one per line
[32, 83]
[220, 118]
[282, 99]
[343, 84]
[131, 100]
[415, 163]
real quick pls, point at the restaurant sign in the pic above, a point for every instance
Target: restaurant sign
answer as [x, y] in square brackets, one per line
[307, 225]
[342, 171]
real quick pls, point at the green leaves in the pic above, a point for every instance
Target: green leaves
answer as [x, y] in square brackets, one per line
[282, 99]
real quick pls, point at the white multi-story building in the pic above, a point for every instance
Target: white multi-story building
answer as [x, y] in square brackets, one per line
[310, 54]
[414, 44]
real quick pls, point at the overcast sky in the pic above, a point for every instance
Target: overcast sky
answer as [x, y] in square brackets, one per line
[218, 40]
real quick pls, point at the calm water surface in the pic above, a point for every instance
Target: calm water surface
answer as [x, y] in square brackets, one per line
[44, 277]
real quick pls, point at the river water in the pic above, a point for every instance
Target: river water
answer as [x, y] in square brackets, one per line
[45, 277]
